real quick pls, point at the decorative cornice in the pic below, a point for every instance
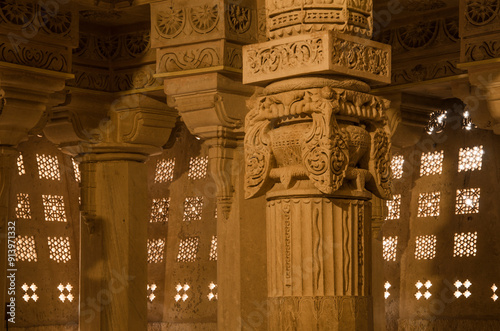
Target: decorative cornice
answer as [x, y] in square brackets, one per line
[174, 23]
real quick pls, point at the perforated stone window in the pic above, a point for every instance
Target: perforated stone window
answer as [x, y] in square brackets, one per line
[20, 165]
[212, 295]
[431, 163]
[423, 287]
[198, 167]
[59, 249]
[48, 167]
[397, 163]
[164, 170]
[494, 288]
[26, 249]
[387, 286]
[181, 292]
[156, 248]
[425, 247]
[65, 292]
[390, 244]
[151, 289]
[188, 248]
[462, 289]
[394, 207]
[30, 292]
[213, 249]
[467, 201]
[470, 159]
[428, 204]
[53, 208]
[76, 171]
[23, 209]
[193, 207]
[159, 210]
[465, 244]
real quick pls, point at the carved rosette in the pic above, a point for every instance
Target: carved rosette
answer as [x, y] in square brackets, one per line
[336, 138]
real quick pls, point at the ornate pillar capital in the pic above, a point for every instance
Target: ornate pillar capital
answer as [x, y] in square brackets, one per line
[329, 131]
[102, 127]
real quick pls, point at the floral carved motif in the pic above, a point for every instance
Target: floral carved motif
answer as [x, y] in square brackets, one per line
[56, 23]
[380, 162]
[321, 53]
[286, 56]
[52, 21]
[233, 57]
[477, 51]
[169, 23]
[204, 18]
[239, 18]
[360, 57]
[481, 12]
[33, 57]
[423, 72]
[172, 21]
[125, 46]
[194, 58]
[418, 35]
[17, 12]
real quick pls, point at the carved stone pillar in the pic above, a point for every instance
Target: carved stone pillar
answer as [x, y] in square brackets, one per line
[24, 96]
[199, 57]
[213, 107]
[318, 146]
[111, 150]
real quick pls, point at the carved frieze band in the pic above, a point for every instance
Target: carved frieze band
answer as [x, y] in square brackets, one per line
[51, 19]
[201, 56]
[118, 47]
[175, 23]
[326, 52]
[299, 17]
[438, 39]
[122, 80]
[32, 55]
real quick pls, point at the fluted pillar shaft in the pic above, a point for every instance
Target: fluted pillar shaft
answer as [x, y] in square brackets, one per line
[317, 269]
